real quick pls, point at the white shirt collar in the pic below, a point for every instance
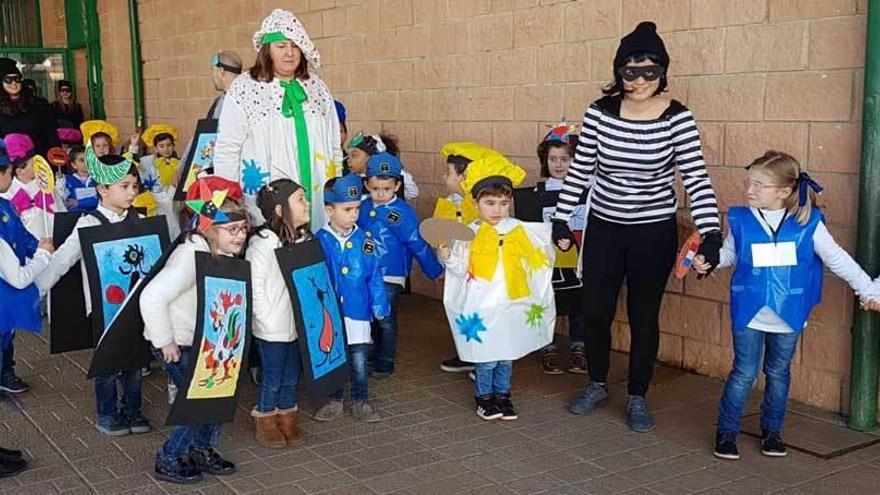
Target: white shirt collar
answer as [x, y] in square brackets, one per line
[341, 238]
[112, 215]
[552, 184]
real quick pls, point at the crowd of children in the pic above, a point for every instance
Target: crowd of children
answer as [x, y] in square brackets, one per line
[508, 276]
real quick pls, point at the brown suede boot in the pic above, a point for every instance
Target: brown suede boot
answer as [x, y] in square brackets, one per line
[288, 424]
[268, 433]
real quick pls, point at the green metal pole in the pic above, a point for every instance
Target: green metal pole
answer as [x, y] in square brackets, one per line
[866, 326]
[136, 75]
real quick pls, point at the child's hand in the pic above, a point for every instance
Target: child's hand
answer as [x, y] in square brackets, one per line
[870, 304]
[701, 265]
[71, 203]
[171, 353]
[46, 245]
[133, 140]
[444, 252]
[564, 244]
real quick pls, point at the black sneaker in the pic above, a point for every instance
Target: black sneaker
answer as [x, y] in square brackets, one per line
[772, 444]
[487, 408]
[725, 446]
[11, 467]
[182, 471]
[455, 365]
[10, 455]
[550, 362]
[12, 384]
[506, 406]
[209, 461]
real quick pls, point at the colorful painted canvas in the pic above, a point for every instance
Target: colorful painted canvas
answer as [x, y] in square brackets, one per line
[222, 345]
[200, 157]
[319, 323]
[122, 264]
[119, 259]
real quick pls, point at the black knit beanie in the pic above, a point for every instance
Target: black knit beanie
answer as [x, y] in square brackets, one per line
[8, 66]
[643, 39]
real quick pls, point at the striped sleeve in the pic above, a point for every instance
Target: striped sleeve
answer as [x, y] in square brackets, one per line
[580, 174]
[689, 160]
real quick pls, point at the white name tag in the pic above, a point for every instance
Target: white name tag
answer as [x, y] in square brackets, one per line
[770, 254]
[85, 192]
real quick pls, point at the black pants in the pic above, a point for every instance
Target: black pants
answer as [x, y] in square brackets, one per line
[644, 254]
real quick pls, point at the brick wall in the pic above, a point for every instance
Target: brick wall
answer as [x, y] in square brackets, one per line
[785, 74]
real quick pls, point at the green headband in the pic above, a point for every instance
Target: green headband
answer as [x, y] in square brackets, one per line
[273, 37]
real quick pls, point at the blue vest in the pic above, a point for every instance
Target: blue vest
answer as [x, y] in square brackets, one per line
[73, 183]
[20, 309]
[395, 227]
[790, 291]
[356, 274]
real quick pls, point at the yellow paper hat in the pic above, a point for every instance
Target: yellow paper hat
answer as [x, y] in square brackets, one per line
[91, 127]
[154, 130]
[485, 163]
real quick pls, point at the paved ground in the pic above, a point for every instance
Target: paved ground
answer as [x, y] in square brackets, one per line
[431, 441]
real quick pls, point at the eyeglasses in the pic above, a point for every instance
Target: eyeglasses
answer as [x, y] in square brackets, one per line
[234, 230]
[12, 79]
[759, 187]
[65, 90]
[646, 72]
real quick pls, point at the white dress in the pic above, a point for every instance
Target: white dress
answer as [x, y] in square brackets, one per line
[256, 144]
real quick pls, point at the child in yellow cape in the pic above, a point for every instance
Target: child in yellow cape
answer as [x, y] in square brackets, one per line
[498, 294]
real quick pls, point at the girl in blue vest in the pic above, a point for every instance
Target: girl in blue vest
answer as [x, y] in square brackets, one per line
[778, 244]
[22, 258]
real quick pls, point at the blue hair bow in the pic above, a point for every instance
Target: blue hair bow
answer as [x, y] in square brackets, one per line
[805, 182]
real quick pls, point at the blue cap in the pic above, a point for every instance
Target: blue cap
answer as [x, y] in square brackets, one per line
[340, 111]
[384, 165]
[348, 188]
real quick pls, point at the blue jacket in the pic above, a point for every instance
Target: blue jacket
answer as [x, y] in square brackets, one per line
[20, 309]
[790, 291]
[395, 227]
[356, 274]
[74, 183]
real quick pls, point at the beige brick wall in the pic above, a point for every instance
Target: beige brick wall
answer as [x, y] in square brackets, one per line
[785, 74]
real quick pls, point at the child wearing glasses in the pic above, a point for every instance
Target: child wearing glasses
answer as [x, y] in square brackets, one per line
[779, 245]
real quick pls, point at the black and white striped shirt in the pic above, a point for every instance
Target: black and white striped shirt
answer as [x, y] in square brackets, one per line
[631, 167]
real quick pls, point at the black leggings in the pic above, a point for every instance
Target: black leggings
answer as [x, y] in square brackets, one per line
[644, 254]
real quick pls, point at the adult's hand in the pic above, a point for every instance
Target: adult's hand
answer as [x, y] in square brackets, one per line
[710, 249]
[562, 236]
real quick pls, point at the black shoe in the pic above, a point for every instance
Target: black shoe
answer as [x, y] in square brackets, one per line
[209, 461]
[12, 384]
[181, 471]
[772, 444]
[487, 408]
[11, 467]
[506, 406]
[725, 446]
[455, 365]
[10, 455]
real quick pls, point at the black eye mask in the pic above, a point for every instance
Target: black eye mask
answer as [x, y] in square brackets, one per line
[647, 72]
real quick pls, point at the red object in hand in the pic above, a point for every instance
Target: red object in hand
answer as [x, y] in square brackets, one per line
[114, 294]
[685, 260]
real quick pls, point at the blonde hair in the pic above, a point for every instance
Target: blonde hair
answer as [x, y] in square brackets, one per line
[786, 171]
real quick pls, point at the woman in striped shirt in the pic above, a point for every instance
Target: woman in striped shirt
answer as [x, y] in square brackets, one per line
[631, 144]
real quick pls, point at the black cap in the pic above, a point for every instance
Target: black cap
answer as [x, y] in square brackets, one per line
[643, 39]
[63, 83]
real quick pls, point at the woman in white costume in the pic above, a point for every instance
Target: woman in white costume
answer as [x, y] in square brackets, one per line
[279, 119]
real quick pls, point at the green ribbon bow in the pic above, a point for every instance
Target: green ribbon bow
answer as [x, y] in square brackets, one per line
[291, 107]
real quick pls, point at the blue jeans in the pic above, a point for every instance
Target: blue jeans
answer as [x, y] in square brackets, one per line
[492, 378]
[279, 374]
[7, 361]
[358, 365]
[748, 347]
[107, 398]
[183, 438]
[385, 333]
[577, 333]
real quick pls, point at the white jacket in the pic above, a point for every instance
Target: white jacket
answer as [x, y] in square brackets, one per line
[273, 311]
[168, 302]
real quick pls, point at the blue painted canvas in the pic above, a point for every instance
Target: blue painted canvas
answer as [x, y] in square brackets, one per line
[321, 317]
[122, 263]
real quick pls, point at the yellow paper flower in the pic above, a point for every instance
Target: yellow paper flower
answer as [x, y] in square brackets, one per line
[517, 254]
